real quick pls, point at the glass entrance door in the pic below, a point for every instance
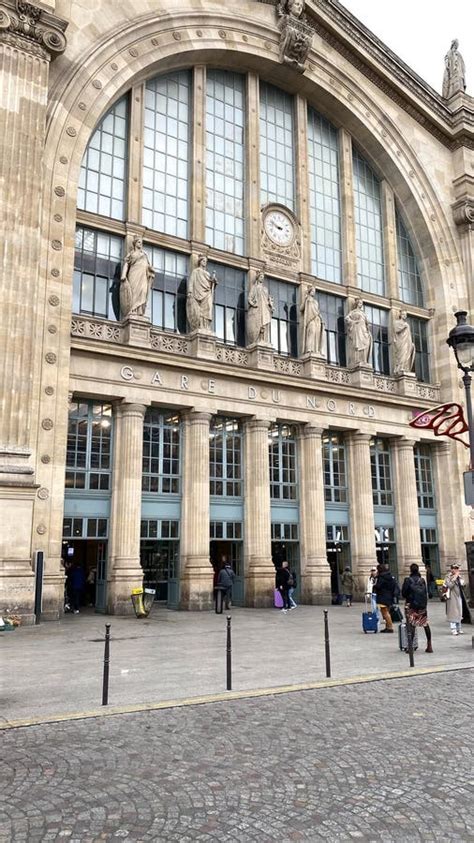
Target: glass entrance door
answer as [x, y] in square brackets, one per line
[289, 551]
[159, 560]
[229, 551]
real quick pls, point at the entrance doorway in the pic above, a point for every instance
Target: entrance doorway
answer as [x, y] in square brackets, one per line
[338, 551]
[85, 546]
[386, 549]
[285, 546]
[221, 552]
[160, 562]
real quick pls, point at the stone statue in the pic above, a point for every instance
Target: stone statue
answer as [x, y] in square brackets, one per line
[314, 329]
[296, 35]
[403, 346]
[136, 281]
[259, 312]
[454, 79]
[359, 337]
[200, 296]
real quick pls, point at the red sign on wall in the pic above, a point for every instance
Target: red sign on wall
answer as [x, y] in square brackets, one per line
[444, 420]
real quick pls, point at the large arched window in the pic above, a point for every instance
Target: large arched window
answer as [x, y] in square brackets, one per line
[368, 227]
[409, 281]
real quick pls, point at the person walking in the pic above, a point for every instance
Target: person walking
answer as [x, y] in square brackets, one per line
[430, 581]
[385, 589]
[369, 589]
[78, 582]
[453, 583]
[225, 580]
[347, 582]
[282, 580]
[415, 592]
[292, 583]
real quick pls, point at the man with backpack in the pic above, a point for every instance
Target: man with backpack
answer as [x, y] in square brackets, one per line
[415, 592]
[283, 579]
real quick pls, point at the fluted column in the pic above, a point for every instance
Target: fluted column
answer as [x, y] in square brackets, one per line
[363, 551]
[29, 38]
[406, 506]
[196, 568]
[125, 571]
[449, 515]
[259, 568]
[315, 570]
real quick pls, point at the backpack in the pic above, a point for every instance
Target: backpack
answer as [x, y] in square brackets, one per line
[418, 594]
[291, 581]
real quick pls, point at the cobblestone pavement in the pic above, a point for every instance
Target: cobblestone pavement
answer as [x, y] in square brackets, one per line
[367, 762]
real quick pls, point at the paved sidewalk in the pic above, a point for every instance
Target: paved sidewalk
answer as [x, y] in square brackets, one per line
[57, 667]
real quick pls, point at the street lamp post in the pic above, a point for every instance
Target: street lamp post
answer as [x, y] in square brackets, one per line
[461, 340]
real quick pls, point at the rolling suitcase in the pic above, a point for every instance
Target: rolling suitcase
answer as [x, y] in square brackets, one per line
[370, 621]
[403, 638]
[278, 599]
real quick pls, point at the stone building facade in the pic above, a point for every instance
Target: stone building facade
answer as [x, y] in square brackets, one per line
[281, 138]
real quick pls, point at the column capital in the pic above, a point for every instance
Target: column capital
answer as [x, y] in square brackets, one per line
[404, 443]
[257, 424]
[359, 437]
[126, 409]
[196, 417]
[31, 29]
[310, 431]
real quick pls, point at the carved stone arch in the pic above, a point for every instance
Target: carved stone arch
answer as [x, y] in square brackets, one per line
[154, 44]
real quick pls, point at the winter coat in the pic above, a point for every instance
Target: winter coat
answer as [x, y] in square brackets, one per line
[347, 582]
[281, 578]
[385, 589]
[77, 579]
[454, 602]
[226, 577]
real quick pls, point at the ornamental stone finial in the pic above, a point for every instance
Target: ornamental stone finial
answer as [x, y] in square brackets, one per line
[454, 79]
[31, 29]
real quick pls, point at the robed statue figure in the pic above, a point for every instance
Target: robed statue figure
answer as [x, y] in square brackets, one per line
[259, 312]
[403, 346]
[359, 336]
[314, 329]
[136, 281]
[200, 296]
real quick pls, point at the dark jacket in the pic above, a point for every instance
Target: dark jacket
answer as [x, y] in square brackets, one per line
[226, 577]
[407, 584]
[77, 579]
[282, 577]
[385, 588]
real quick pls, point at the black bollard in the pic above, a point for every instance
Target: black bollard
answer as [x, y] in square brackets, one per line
[326, 644]
[219, 599]
[229, 654]
[410, 645]
[105, 681]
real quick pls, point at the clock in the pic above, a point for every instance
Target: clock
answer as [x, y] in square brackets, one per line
[279, 228]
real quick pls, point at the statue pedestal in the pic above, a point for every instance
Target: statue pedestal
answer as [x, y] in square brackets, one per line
[203, 344]
[314, 365]
[262, 356]
[362, 375]
[137, 331]
[406, 383]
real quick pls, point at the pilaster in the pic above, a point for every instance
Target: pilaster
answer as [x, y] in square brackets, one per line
[315, 570]
[125, 571]
[406, 506]
[259, 568]
[349, 253]
[198, 190]
[389, 240]
[252, 164]
[302, 192]
[363, 551]
[196, 570]
[449, 525]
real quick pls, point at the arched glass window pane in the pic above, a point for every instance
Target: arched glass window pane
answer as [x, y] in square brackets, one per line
[103, 174]
[166, 305]
[325, 211]
[409, 280]
[332, 312]
[225, 155]
[229, 304]
[277, 148]
[369, 229]
[166, 154]
[161, 453]
[422, 357]
[378, 319]
[96, 283]
[284, 327]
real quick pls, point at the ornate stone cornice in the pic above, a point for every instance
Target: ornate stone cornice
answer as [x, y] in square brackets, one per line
[463, 211]
[29, 28]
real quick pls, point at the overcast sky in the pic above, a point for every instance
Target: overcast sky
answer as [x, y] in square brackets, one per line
[421, 31]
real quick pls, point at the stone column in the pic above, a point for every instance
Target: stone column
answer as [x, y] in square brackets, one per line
[125, 571]
[315, 570]
[449, 511]
[29, 38]
[363, 551]
[259, 568]
[406, 506]
[196, 569]
[349, 255]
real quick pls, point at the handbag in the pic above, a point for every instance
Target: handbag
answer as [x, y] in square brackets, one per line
[444, 593]
[396, 613]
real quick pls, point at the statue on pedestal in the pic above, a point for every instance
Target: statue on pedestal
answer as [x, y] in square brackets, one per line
[259, 312]
[454, 79]
[136, 281]
[296, 34]
[359, 336]
[403, 346]
[200, 296]
[314, 329]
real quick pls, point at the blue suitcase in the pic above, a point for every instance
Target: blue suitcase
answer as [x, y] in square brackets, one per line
[370, 621]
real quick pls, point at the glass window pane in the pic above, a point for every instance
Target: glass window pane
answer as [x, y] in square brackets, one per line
[368, 226]
[277, 148]
[106, 153]
[325, 212]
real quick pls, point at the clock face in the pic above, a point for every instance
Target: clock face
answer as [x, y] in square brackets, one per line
[279, 228]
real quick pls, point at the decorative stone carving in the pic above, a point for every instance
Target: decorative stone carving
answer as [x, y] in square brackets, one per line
[454, 79]
[43, 494]
[314, 329]
[165, 342]
[287, 366]
[49, 390]
[200, 296]
[463, 211]
[296, 34]
[259, 312]
[45, 459]
[47, 424]
[403, 345]
[53, 300]
[96, 329]
[281, 236]
[232, 355]
[50, 357]
[136, 280]
[41, 529]
[359, 337]
[32, 29]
